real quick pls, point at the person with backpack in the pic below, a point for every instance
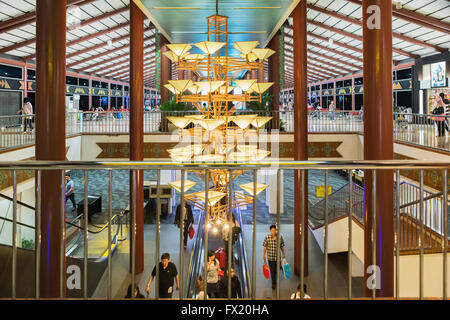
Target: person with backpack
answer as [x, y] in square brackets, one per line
[270, 246]
[212, 275]
[188, 220]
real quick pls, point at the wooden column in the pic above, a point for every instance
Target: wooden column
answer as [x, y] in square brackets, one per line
[50, 136]
[378, 139]
[274, 76]
[137, 127]
[300, 132]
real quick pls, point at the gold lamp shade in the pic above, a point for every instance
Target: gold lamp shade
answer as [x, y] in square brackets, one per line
[223, 90]
[171, 88]
[245, 46]
[245, 84]
[210, 124]
[213, 196]
[263, 53]
[191, 149]
[196, 116]
[180, 122]
[181, 85]
[194, 89]
[172, 57]
[209, 158]
[239, 156]
[179, 49]
[244, 121]
[261, 87]
[181, 157]
[246, 148]
[259, 122]
[209, 47]
[249, 187]
[194, 56]
[187, 185]
[209, 86]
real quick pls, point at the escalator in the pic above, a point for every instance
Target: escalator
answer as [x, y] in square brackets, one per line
[25, 281]
[214, 241]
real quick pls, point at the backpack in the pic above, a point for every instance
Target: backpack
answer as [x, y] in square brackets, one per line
[221, 257]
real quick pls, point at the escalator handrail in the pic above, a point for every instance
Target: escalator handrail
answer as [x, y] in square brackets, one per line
[18, 202]
[245, 283]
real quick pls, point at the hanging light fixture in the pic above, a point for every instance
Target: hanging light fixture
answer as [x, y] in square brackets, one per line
[249, 187]
[245, 47]
[209, 47]
[188, 184]
[263, 54]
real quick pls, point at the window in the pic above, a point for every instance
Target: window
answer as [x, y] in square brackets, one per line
[126, 88]
[113, 87]
[339, 84]
[10, 72]
[348, 83]
[331, 85]
[404, 74]
[104, 85]
[83, 82]
[72, 81]
[119, 87]
[95, 84]
[359, 81]
[324, 86]
[31, 74]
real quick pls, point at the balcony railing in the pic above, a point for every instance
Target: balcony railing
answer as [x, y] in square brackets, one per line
[414, 129]
[421, 219]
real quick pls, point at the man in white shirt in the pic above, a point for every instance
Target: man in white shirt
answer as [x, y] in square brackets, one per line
[27, 111]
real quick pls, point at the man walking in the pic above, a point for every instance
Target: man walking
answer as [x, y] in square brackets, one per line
[188, 220]
[27, 111]
[270, 246]
[68, 193]
[167, 271]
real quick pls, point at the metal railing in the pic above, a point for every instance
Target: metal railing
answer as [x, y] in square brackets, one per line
[371, 166]
[415, 129]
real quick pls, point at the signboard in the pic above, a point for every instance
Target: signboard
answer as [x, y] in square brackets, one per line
[320, 191]
[77, 90]
[439, 75]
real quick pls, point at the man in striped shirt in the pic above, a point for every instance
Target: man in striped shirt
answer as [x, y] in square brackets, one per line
[270, 246]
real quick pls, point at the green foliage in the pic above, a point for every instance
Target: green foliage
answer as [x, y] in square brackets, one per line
[172, 105]
[266, 103]
[27, 244]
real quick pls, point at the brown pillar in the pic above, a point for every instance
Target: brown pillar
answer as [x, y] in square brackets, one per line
[274, 76]
[50, 135]
[378, 140]
[180, 74]
[137, 127]
[254, 75]
[300, 131]
[165, 72]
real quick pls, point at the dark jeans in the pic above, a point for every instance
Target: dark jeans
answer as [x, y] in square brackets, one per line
[441, 128]
[273, 271]
[72, 198]
[27, 123]
[186, 233]
[213, 290]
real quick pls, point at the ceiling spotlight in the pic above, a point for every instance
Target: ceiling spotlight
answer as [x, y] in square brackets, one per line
[214, 230]
[330, 42]
[399, 5]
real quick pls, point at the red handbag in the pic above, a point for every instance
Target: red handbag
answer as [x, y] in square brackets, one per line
[266, 271]
[191, 232]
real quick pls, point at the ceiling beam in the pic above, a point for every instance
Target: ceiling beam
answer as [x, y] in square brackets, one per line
[73, 42]
[122, 68]
[96, 46]
[348, 64]
[126, 54]
[359, 23]
[415, 17]
[99, 55]
[359, 38]
[126, 71]
[30, 17]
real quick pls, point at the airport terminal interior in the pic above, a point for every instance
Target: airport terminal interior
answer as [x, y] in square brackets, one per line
[254, 149]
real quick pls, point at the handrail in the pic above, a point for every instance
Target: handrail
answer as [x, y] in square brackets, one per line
[245, 275]
[251, 165]
[18, 202]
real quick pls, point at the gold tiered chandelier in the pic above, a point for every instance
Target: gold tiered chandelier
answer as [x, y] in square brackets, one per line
[216, 134]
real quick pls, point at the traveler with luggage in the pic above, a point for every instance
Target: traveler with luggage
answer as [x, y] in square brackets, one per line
[270, 246]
